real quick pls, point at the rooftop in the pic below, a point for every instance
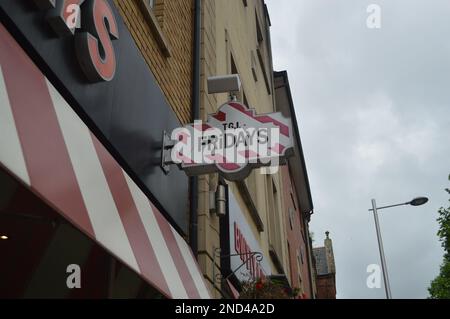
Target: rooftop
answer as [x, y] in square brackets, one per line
[320, 256]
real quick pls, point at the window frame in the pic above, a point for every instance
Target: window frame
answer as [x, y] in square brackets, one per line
[155, 28]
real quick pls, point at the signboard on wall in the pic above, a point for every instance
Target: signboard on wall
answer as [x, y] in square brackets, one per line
[122, 103]
[240, 241]
[233, 142]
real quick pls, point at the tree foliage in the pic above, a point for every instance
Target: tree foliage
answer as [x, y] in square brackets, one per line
[440, 286]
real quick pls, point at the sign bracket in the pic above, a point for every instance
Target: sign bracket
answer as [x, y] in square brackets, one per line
[256, 254]
[166, 150]
[257, 140]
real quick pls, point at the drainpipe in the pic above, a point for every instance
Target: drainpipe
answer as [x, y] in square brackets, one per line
[193, 182]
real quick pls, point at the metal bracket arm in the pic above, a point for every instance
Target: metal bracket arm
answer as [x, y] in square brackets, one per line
[259, 257]
[166, 152]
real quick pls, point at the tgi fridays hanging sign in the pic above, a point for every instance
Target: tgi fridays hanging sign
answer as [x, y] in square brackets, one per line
[93, 42]
[233, 141]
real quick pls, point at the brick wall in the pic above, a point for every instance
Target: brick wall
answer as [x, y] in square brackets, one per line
[208, 224]
[298, 271]
[326, 287]
[173, 74]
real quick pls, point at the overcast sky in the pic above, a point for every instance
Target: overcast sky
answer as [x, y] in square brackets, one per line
[374, 116]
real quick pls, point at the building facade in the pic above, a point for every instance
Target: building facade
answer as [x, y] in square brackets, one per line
[298, 206]
[233, 34]
[87, 90]
[163, 31]
[236, 40]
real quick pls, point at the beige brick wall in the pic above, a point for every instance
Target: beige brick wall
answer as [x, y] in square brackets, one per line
[208, 225]
[174, 73]
[228, 27]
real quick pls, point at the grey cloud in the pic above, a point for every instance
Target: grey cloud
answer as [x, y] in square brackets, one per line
[374, 115]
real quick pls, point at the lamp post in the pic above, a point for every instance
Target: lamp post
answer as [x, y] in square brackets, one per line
[415, 202]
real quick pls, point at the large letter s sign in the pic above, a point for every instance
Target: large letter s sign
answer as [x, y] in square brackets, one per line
[95, 51]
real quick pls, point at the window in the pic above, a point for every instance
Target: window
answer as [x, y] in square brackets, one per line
[293, 200]
[262, 52]
[234, 70]
[300, 279]
[291, 217]
[254, 73]
[244, 99]
[275, 242]
[291, 272]
[154, 15]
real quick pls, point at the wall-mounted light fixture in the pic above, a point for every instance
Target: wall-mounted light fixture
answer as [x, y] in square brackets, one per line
[230, 84]
[224, 83]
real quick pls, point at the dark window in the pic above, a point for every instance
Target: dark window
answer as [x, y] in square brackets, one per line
[293, 200]
[40, 247]
[262, 52]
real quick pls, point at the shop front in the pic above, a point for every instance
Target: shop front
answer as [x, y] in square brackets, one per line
[85, 208]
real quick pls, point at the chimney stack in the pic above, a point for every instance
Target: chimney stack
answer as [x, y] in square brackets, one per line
[329, 251]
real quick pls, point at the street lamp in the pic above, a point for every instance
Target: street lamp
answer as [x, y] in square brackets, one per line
[415, 202]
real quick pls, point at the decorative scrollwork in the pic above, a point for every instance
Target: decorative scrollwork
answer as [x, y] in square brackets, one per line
[259, 256]
[253, 254]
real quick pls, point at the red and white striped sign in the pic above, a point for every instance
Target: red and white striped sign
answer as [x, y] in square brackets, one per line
[233, 141]
[49, 148]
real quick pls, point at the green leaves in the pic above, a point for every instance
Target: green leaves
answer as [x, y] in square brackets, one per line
[440, 286]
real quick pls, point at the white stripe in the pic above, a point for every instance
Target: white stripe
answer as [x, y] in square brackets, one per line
[11, 154]
[191, 264]
[157, 241]
[103, 213]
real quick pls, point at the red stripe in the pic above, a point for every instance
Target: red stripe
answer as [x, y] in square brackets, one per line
[278, 148]
[267, 119]
[180, 263]
[202, 127]
[129, 214]
[199, 270]
[220, 116]
[229, 166]
[46, 156]
[284, 129]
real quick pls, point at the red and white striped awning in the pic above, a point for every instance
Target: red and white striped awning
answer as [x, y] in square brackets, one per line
[48, 147]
